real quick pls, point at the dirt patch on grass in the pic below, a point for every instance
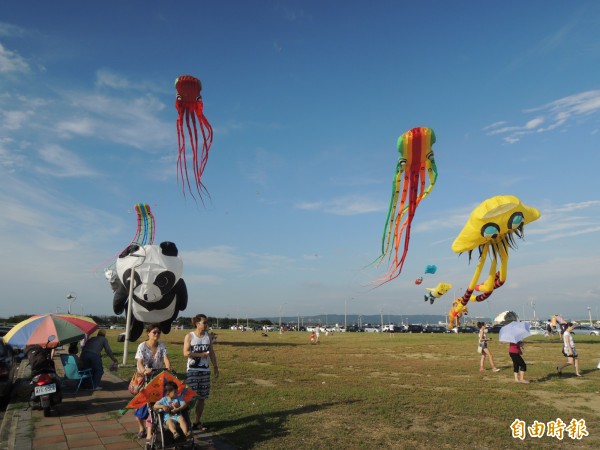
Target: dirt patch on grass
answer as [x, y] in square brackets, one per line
[260, 382]
[577, 403]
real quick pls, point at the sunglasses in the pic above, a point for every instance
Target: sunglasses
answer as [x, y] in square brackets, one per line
[156, 332]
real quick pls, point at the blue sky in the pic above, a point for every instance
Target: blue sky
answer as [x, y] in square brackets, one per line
[307, 100]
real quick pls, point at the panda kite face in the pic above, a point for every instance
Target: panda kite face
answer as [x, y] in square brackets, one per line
[157, 269]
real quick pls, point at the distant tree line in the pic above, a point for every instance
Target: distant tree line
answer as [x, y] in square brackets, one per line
[220, 322]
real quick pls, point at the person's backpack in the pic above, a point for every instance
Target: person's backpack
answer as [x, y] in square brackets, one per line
[38, 358]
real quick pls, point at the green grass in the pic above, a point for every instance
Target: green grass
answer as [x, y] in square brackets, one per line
[368, 390]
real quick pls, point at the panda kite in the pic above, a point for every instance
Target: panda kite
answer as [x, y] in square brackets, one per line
[159, 292]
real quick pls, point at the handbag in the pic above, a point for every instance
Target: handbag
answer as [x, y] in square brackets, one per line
[479, 349]
[136, 383]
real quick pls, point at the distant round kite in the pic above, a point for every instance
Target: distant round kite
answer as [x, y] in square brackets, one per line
[431, 269]
[419, 280]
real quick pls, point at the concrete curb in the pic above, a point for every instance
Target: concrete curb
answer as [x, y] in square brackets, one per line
[15, 431]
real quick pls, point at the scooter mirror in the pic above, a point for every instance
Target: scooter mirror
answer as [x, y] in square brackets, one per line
[51, 338]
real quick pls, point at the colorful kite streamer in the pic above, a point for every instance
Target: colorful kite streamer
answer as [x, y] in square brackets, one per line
[415, 161]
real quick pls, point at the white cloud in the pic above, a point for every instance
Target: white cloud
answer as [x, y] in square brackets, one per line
[63, 163]
[14, 120]
[106, 78]
[345, 206]
[555, 114]
[8, 29]
[79, 126]
[11, 62]
[219, 257]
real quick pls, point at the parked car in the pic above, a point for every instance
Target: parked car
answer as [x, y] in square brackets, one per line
[414, 329]
[585, 329]
[8, 366]
[371, 330]
[471, 329]
[536, 330]
[5, 329]
[494, 329]
[435, 329]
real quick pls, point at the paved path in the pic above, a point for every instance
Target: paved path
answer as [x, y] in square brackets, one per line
[87, 420]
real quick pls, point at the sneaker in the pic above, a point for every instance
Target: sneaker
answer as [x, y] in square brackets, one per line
[98, 388]
[496, 370]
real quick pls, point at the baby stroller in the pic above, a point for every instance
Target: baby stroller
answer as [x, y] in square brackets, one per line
[161, 437]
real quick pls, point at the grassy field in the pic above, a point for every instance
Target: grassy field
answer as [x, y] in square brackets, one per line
[371, 390]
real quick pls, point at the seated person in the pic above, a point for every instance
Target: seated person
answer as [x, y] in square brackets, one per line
[172, 405]
[73, 350]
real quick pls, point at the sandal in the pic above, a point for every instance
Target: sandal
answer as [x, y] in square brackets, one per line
[141, 434]
[199, 427]
[559, 371]
[176, 435]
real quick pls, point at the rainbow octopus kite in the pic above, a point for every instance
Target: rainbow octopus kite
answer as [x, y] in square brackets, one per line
[416, 159]
[493, 225]
[189, 105]
[144, 235]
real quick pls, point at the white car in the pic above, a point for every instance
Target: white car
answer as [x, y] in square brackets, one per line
[585, 329]
[536, 330]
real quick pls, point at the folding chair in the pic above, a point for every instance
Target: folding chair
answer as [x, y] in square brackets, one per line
[72, 372]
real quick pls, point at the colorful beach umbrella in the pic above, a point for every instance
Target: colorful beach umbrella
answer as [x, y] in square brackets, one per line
[66, 327]
[155, 390]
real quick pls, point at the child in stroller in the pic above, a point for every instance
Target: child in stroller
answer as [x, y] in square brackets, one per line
[171, 412]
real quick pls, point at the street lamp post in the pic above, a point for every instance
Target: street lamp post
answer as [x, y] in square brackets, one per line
[589, 308]
[533, 307]
[346, 313]
[71, 298]
[280, 310]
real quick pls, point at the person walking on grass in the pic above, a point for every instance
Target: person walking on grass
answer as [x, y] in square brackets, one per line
[485, 351]
[198, 348]
[515, 351]
[569, 349]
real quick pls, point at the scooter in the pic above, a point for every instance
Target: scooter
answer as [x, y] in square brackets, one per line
[46, 392]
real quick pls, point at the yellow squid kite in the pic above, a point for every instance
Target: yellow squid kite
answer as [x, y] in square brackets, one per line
[493, 225]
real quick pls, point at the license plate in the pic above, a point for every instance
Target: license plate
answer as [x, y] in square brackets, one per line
[46, 389]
